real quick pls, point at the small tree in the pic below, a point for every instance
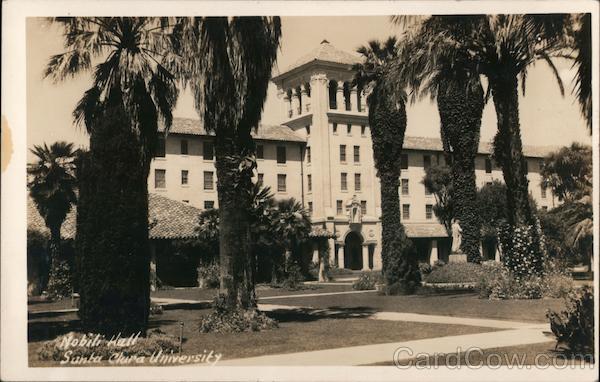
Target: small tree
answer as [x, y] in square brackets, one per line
[568, 172]
[52, 187]
[438, 181]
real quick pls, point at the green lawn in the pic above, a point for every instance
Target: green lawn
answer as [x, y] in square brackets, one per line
[298, 332]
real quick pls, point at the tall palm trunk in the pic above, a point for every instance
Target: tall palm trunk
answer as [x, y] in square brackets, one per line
[387, 118]
[521, 240]
[460, 106]
[508, 150]
[112, 229]
[233, 186]
[59, 278]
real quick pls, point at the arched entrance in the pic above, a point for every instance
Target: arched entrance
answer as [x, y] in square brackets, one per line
[353, 251]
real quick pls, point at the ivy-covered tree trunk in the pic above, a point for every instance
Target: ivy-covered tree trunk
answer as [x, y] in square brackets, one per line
[234, 164]
[59, 279]
[113, 255]
[521, 241]
[387, 119]
[460, 105]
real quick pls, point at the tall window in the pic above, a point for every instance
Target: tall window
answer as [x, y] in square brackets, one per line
[261, 179]
[160, 147]
[488, 166]
[160, 178]
[281, 186]
[184, 147]
[310, 208]
[309, 181]
[307, 129]
[335, 127]
[349, 129]
[404, 161]
[184, 177]
[526, 166]
[339, 207]
[363, 130]
[342, 153]
[363, 207]
[426, 161]
[208, 180]
[260, 151]
[406, 211]
[356, 182]
[429, 211]
[281, 155]
[209, 150]
[427, 191]
[543, 190]
[356, 154]
[209, 204]
[344, 181]
[308, 155]
[404, 183]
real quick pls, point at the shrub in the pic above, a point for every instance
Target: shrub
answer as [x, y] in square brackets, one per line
[225, 320]
[155, 309]
[293, 277]
[425, 269]
[574, 326]
[208, 276]
[367, 281]
[454, 273]
[521, 247]
[496, 281]
[143, 346]
[59, 283]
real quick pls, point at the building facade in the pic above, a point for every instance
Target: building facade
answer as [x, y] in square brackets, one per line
[321, 154]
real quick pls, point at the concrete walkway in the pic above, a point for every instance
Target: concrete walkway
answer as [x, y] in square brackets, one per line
[379, 353]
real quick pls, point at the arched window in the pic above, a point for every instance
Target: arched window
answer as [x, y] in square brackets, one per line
[333, 94]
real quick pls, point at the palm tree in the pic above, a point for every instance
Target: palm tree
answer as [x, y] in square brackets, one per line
[568, 172]
[131, 91]
[52, 186]
[387, 119]
[292, 222]
[435, 62]
[227, 63]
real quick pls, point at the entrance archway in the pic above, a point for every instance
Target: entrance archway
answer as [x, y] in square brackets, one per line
[353, 251]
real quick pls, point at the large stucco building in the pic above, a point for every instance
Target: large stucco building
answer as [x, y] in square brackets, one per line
[321, 154]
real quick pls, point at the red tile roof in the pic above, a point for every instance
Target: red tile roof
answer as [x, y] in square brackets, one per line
[168, 219]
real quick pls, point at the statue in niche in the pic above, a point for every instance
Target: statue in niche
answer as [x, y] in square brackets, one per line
[456, 236]
[354, 211]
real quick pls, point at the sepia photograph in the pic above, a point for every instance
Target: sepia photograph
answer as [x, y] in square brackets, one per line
[409, 192]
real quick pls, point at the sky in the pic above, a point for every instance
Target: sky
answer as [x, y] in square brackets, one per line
[546, 117]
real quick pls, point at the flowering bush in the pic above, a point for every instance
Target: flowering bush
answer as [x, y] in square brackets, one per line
[367, 281]
[574, 327]
[142, 346]
[454, 273]
[496, 281]
[224, 320]
[208, 276]
[523, 249]
[59, 284]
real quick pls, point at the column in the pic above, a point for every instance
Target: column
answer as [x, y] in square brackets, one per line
[305, 99]
[363, 100]
[377, 264]
[365, 257]
[341, 104]
[153, 275]
[353, 99]
[315, 256]
[295, 104]
[340, 256]
[433, 256]
[481, 250]
[497, 254]
[288, 110]
[331, 244]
